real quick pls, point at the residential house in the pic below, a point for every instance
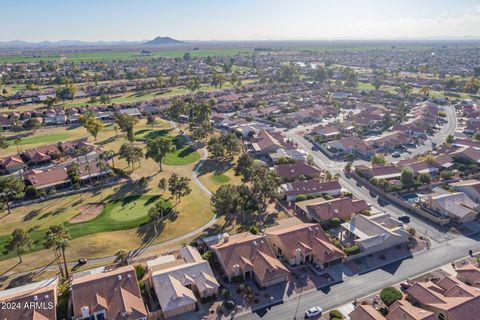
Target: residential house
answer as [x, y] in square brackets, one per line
[387, 172]
[51, 178]
[269, 142]
[41, 155]
[244, 256]
[448, 299]
[294, 154]
[469, 154]
[469, 274]
[353, 144]
[310, 188]
[177, 281]
[389, 141]
[418, 167]
[365, 312]
[299, 170]
[470, 187]
[456, 205]
[112, 295]
[374, 233]
[325, 132]
[323, 211]
[33, 301]
[11, 164]
[92, 170]
[297, 243]
[404, 310]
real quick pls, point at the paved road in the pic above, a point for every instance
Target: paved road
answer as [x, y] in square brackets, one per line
[365, 284]
[420, 224]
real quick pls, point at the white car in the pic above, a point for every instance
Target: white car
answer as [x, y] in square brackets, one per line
[313, 311]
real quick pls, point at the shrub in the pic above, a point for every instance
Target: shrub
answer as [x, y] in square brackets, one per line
[207, 255]
[389, 295]
[335, 314]
[253, 230]
[140, 271]
[230, 304]
[335, 222]
[351, 250]
[301, 197]
[224, 293]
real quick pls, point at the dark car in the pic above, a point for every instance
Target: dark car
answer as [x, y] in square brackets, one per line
[404, 219]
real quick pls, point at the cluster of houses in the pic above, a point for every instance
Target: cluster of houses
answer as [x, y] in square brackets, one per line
[448, 298]
[48, 167]
[421, 122]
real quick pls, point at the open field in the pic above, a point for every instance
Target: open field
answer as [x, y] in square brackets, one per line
[128, 55]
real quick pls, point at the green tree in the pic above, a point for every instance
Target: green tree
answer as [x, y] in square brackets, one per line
[449, 138]
[121, 256]
[158, 148]
[11, 187]
[20, 242]
[215, 147]
[425, 178]
[265, 185]
[157, 213]
[3, 142]
[130, 153]
[225, 201]
[179, 186]
[32, 124]
[378, 159]
[406, 177]
[93, 126]
[476, 136]
[126, 123]
[389, 295]
[244, 167]
[231, 143]
[163, 184]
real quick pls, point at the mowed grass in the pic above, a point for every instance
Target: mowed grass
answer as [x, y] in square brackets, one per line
[120, 214]
[182, 156]
[219, 178]
[44, 138]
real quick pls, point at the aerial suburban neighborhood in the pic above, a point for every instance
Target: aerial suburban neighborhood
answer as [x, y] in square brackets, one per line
[244, 178]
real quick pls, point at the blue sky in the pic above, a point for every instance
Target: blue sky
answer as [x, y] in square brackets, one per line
[37, 20]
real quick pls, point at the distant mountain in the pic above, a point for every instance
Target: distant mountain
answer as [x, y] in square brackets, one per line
[158, 41]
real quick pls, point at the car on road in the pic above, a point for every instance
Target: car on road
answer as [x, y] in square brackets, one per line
[396, 154]
[312, 312]
[404, 218]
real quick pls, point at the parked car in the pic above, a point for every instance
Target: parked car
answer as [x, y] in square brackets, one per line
[312, 312]
[405, 285]
[404, 219]
[396, 154]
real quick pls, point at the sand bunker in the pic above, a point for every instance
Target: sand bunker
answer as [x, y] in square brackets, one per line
[87, 212]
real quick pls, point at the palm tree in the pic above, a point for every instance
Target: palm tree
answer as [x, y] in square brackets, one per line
[51, 243]
[102, 166]
[17, 142]
[110, 154]
[88, 167]
[59, 238]
[121, 256]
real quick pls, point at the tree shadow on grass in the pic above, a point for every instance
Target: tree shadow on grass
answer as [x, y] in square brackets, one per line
[32, 214]
[55, 212]
[106, 141]
[216, 167]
